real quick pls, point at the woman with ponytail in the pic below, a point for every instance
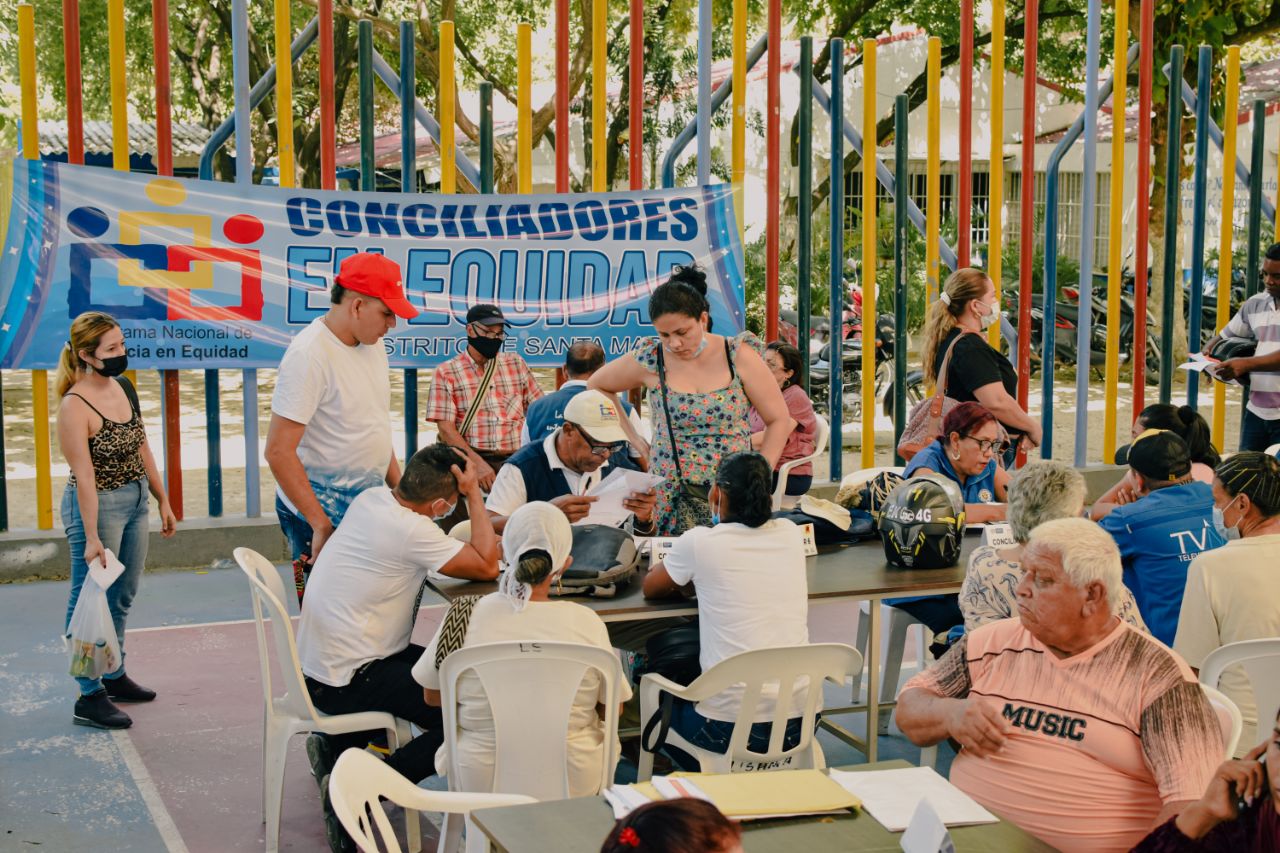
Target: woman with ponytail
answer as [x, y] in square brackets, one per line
[105, 505]
[535, 545]
[977, 373]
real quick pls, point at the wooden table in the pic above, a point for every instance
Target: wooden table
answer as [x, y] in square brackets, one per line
[569, 826]
[854, 573]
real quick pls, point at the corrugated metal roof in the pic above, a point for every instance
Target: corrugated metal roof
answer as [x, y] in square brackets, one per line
[188, 139]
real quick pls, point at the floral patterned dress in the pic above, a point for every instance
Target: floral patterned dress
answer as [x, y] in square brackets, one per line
[708, 427]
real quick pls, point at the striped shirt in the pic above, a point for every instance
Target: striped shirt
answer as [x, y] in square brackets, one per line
[497, 424]
[1098, 743]
[1259, 319]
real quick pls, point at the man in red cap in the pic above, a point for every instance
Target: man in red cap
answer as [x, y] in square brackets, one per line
[330, 433]
[478, 398]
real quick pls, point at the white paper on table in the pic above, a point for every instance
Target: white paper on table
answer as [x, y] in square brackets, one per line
[1202, 363]
[927, 833]
[612, 491]
[673, 788]
[891, 796]
[624, 799]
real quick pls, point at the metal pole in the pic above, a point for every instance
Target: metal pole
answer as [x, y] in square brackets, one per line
[365, 89]
[562, 101]
[1115, 257]
[1253, 268]
[1027, 220]
[446, 110]
[835, 203]
[244, 177]
[1199, 207]
[995, 164]
[213, 442]
[773, 168]
[704, 91]
[1146, 73]
[486, 137]
[635, 110]
[933, 172]
[524, 108]
[409, 184]
[1231, 109]
[965, 201]
[901, 109]
[1172, 206]
[804, 295]
[600, 179]
[869, 161]
[739, 132]
[1088, 211]
[328, 101]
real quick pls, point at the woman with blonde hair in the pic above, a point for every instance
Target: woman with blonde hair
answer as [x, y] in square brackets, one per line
[105, 506]
[977, 372]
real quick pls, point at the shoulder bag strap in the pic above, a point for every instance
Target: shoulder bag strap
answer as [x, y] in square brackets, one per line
[131, 393]
[941, 394]
[666, 410]
[480, 392]
[453, 630]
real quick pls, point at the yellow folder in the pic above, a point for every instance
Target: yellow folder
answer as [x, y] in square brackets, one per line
[773, 792]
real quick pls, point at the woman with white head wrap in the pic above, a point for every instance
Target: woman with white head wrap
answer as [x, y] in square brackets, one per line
[535, 545]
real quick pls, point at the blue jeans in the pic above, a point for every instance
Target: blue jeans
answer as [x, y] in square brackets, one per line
[123, 528]
[714, 735]
[296, 530]
[1258, 433]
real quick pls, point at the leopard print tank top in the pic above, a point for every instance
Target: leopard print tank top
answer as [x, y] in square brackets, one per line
[115, 450]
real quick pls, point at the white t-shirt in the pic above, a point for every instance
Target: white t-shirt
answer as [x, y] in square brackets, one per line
[752, 594]
[509, 492]
[359, 603]
[494, 621]
[1232, 594]
[343, 396]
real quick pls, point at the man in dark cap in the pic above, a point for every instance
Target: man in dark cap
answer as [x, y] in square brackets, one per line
[1259, 320]
[1161, 532]
[1233, 593]
[478, 398]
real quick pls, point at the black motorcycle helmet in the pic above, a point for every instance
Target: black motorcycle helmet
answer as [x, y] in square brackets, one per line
[922, 523]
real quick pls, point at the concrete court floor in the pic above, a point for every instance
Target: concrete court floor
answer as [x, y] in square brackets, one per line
[187, 775]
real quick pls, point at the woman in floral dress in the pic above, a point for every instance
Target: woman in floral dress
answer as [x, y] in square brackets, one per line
[712, 384]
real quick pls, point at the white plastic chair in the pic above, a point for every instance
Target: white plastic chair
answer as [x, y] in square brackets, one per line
[292, 713]
[1261, 662]
[1229, 717]
[1273, 450]
[809, 665]
[821, 435]
[531, 688]
[360, 780]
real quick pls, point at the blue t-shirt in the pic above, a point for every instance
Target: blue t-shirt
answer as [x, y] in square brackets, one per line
[1159, 535]
[977, 489]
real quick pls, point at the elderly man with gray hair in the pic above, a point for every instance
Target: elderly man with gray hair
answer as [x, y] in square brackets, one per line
[1041, 491]
[1073, 725]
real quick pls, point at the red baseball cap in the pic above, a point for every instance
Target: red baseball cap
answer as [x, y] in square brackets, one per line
[377, 276]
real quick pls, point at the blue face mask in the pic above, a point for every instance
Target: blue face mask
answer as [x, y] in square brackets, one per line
[1220, 524]
[697, 352]
[715, 519]
[448, 512]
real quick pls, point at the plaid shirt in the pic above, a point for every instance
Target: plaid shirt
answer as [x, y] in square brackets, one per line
[497, 424]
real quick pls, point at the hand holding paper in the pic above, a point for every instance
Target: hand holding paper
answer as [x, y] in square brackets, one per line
[613, 492]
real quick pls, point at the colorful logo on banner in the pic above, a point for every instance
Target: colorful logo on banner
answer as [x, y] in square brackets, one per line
[207, 274]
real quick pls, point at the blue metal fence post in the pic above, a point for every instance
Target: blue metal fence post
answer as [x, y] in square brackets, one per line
[1172, 208]
[1199, 206]
[244, 177]
[835, 202]
[901, 109]
[1253, 266]
[1088, 213]
[408, 184]
[213, 442]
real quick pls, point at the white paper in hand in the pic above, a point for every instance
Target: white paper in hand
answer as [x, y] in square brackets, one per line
[927, 833]
[610, 492]
[105, 576]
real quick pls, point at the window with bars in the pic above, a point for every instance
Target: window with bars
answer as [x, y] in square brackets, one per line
[1070, 192]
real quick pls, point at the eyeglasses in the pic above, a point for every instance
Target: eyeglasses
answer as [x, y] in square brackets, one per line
[483, 331]
[597, 448]
[993, 446]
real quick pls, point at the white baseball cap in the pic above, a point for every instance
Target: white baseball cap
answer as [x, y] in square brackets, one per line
[597, 415]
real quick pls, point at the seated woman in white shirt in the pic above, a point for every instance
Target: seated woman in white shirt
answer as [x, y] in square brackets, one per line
[536, 545]
[749, 570]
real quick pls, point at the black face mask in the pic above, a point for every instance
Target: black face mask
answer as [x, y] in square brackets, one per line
[114, 366]
[487, 347]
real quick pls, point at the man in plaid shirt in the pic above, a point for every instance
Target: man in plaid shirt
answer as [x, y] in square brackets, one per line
[494, 431]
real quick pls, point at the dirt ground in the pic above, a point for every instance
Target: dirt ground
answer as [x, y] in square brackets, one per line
[19, 442]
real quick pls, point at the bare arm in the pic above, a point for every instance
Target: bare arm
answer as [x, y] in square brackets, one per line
[1006, 409]
[927, 718]
[449, 435]
[73, 440]
[283, 437]
[766, 396]
[658, 584]
[431, 697]
[619, 376]
[393, 471]
[168, 521]
[478, 559]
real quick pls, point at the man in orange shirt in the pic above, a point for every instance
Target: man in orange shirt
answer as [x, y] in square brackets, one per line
[1073, 725]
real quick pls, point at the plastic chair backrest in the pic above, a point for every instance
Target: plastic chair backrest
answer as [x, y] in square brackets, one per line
[268, 593]
[795, 669]
[531, 687]
[1261, 662]
[821, 434]
[1229, 717]
[359, 781]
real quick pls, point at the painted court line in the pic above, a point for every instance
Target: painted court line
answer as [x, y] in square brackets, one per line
[147, 788]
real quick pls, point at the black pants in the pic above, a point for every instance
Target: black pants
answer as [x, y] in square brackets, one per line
[387, 685]
[939, 613]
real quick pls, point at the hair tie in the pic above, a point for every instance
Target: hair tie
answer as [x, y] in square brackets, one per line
[67, 346]
[629, 837]
[946, 298]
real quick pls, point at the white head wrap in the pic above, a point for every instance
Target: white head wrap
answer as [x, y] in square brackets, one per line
[945, 297]
[536, 526]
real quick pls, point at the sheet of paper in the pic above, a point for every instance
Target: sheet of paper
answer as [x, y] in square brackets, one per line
[1202, 363]
[927, 833]
[891, 796]
[610, 492]
[999, 535]
[624, 799]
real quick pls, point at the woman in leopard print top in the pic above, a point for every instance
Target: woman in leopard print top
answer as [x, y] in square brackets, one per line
[105, 505]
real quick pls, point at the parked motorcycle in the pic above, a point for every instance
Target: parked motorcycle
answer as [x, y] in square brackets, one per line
[851, 375]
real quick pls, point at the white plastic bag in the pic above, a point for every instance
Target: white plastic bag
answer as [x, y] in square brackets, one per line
[91, 636]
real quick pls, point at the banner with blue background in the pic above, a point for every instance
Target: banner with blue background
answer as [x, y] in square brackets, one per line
[203, 274]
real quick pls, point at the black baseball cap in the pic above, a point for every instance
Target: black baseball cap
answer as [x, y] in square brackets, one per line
[486, 314]
[1160, 455]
